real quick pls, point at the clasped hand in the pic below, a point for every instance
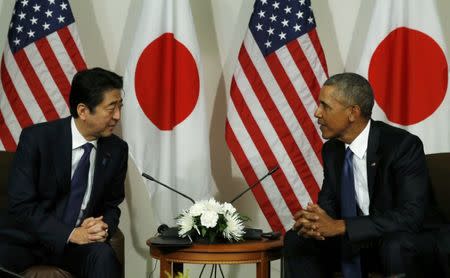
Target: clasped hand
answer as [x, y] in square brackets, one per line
[91, 230]
[314, 222]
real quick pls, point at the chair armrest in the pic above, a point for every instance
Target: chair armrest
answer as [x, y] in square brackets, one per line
[117, 242]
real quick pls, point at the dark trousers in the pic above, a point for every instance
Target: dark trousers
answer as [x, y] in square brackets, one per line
[90, 260]
[402, 254]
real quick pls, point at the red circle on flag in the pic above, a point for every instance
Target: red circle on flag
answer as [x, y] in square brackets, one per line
[166, 82]
[409, 74]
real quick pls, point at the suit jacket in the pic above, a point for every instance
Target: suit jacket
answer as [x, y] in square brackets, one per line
[39, 185]
[397, 179]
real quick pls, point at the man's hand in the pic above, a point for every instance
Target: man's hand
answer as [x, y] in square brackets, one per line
[91, 230]
[305, 224]
[324, 224]
[314, 222]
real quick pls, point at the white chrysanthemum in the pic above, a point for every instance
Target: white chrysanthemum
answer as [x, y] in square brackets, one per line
[185, 224]
[198, 208]
[209, 219]
[196, 228]
[227, 208]
[235, 227]
[213, 205]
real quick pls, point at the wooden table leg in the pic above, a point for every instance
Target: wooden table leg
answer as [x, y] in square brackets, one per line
[263, 268]
[166, 266]
[177, 268]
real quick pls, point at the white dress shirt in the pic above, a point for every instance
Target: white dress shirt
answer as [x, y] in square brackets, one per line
[359, 149]
[77, 152]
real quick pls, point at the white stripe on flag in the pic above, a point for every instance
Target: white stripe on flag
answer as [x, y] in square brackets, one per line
[288, 116]
[8, 115]
[271, 137]
[61, 54]
[311, 54]
[259, 167]
[74, 32]
[24, 92]
[46, 79]
[297, 80]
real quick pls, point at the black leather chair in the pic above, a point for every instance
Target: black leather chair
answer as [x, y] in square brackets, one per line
[439, 170]
[47, 271]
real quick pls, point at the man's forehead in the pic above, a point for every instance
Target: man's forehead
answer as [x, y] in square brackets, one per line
[112, 96]
[326, 92]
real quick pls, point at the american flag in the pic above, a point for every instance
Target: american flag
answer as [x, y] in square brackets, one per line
[274, 93]
[40, 58]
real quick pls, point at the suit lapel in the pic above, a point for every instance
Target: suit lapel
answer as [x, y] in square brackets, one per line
[339, 163]
[372, 156]
[62, 155]
[101, 161]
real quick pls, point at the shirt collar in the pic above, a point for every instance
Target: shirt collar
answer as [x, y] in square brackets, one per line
[359, 145]
[77, 139]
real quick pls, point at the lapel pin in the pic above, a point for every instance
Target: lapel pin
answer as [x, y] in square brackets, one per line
[373, 164]
[105, 159]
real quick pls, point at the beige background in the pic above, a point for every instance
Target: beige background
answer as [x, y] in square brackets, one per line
[106, 29]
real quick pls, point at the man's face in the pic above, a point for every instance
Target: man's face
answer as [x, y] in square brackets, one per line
[333, 116]
[101, 121]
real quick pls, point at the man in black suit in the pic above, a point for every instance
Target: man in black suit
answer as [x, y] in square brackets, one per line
[66, 183]
[370, 211]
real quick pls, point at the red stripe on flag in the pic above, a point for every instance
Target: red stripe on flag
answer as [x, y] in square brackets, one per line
[319, 50]
[15, 101]
[35, 86]
[250, 177]
[305, 68]
[5, 136]
[263, 147]
[296, 104]
[55, 69]
[72, 48]
[278, 123]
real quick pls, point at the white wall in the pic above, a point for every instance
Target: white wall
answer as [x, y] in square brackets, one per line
[106, 28]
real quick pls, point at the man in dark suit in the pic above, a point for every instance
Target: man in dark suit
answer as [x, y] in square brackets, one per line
[370, 211]
[66, 183]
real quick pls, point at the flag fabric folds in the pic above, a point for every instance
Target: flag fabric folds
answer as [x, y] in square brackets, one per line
[274, 93]
[164, 117]
[42, 54]
[404, 59]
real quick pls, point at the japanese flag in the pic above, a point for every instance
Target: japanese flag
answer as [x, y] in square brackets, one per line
[164, 117]
[404, 58]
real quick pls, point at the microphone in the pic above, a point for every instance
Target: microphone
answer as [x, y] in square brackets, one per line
[273, 170]
[168, 187]
[256, 183]
[9, 272]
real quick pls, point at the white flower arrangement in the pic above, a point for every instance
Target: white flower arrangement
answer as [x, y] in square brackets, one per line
[211, 219]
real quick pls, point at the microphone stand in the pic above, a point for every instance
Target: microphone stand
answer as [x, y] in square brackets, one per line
[256, 183]
[168, 187]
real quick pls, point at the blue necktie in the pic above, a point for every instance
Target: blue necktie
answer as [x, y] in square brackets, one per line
[78, 187]
[351, 267]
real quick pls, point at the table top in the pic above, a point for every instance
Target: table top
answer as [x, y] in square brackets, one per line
[249, 251]
[243, 246]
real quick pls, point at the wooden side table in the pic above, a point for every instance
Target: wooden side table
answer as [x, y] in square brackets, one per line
[260, 252]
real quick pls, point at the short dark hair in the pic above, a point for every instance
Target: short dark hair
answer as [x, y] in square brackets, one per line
[354, 90]
[89, 86]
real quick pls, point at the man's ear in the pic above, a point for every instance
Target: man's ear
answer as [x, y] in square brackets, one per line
[355, 113]
[82, 111]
